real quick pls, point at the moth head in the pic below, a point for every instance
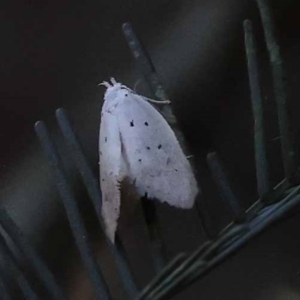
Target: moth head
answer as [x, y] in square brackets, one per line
[115, 91]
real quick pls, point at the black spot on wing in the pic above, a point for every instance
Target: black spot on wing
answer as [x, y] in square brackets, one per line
[131, 124]
[159, 146]
[148, 148]
[146, 124]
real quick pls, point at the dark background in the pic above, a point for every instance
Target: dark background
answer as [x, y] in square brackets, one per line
[54, 54]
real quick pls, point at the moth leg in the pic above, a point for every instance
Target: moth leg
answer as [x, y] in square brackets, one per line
[157, 101]
[113, 80]
[105, 83]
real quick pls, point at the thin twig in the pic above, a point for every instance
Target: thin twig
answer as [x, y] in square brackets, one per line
[76, 223]
[92, 186]
[285, 128]
[261, 159]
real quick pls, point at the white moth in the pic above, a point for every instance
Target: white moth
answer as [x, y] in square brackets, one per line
[137, 144]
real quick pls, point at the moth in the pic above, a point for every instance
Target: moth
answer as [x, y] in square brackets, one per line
[137, 144]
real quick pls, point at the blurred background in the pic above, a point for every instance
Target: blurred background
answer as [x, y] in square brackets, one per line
[53, 54]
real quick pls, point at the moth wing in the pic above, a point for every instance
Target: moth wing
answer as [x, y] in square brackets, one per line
[111, 171]
[155, 160]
